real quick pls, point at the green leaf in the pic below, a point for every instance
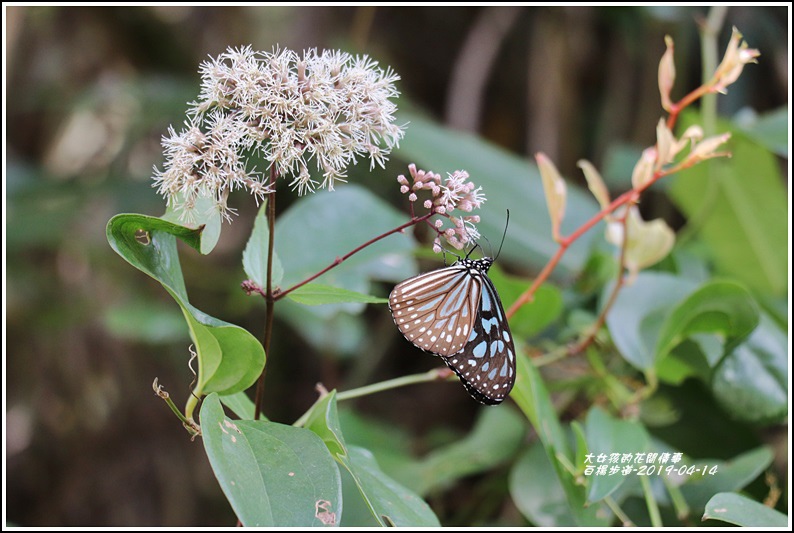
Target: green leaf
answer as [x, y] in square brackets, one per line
[532, 318]
[729, 476]
[742, 511]
[533, 399]
[740, 208]
[508, 182]
[496, 436]
[639, 312]
[607, 435]
[229, 358]
[770, 130]
[751, 383]
[272, 474]
[321, 227]
[389, 502]
[721, 308]
[255, 253]
[397, 505]
[341, 334]
[206, 219]
[318, 294]
[581, 445]
[240, 404]
[536, 491]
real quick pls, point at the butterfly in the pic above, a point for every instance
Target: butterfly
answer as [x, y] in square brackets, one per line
[455, 312]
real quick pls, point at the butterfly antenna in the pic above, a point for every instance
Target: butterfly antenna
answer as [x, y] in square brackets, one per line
[503, 235]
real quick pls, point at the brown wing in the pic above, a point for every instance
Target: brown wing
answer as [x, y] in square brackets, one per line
[436, 310]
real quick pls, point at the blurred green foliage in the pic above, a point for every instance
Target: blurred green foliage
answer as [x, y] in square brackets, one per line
[90, 91]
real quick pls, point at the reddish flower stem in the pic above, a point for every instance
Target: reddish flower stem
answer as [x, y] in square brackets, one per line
[631, 196]
[339, 260]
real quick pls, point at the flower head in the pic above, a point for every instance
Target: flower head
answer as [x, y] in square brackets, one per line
[448, 195]
[737, 55]
[322, 109]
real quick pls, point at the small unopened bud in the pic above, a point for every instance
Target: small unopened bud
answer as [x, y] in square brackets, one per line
[555, 191]
[643, 170]
[737, 55]
[706, 148]
[594, 182]
[667, 74]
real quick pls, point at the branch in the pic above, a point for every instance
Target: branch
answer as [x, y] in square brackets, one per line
[339, 260]
[271, 223]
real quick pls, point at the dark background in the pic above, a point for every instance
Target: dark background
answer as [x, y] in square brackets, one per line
[90, 91]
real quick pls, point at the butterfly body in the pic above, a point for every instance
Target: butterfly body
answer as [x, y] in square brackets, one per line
[455, 313]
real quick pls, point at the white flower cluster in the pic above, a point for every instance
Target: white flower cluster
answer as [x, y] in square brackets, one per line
[455, 192]
[328, 106]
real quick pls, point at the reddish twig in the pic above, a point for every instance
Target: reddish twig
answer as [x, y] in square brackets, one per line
[339, 260]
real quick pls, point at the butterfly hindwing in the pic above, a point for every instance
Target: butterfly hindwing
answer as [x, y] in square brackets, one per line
[487, 364]
[455, 312]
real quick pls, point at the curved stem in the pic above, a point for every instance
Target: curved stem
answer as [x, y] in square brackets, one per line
[625, 521]
[631, 196]
[340, 260]
[651, 503]
[431, 375]
[626, 197]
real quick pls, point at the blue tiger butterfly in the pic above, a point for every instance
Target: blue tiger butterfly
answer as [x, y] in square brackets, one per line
[455, 312]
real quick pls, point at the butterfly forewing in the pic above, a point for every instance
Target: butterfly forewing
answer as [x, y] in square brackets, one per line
[455, 312]
[436, 311]
[486, 365]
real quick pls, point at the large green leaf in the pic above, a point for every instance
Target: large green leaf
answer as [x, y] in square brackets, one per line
[639, 312]
[317, 230]
[229, 358]
[389, 502]
[770, 130]
[496, 436]
[533, 317]
[740, 207]
[729, 476]
[536, 490]
[742, 511]
[240, 404]
[751, 383]
[532, 397]
[607, 435]
[324, 226]
[721, 308]
[341, 334]
[508, 182]
[255, 253]
[272, 474]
